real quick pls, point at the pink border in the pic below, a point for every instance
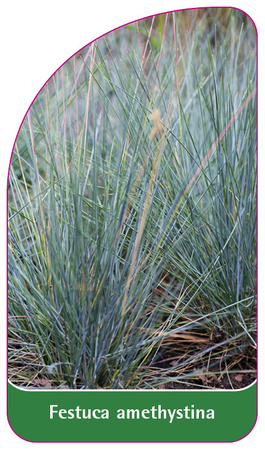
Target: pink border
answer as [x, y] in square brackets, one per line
[121, 26]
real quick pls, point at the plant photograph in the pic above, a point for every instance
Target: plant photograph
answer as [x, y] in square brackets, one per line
[132, 212]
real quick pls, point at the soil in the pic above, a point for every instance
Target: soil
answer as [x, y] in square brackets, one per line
[235, 372]
[240, 373]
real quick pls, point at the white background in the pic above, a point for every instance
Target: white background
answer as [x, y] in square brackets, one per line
[36, 37]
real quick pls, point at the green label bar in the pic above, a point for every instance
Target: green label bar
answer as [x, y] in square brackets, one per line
[132, 416]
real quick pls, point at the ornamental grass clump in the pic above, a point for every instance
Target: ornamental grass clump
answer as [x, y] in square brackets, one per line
[132, 210]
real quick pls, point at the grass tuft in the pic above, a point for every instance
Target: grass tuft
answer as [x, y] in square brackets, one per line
[132, 211]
